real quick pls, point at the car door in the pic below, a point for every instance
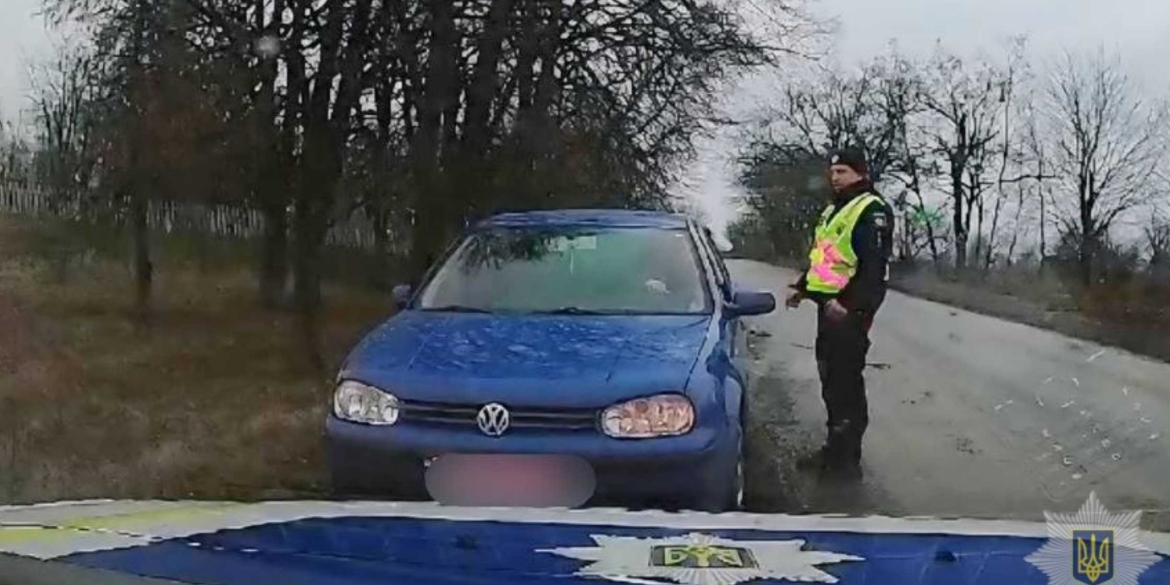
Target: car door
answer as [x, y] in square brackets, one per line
[741, 355]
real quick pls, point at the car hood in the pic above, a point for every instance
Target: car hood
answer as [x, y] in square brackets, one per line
[539, 360]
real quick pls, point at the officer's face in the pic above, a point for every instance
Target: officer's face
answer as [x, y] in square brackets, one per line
[842, 176]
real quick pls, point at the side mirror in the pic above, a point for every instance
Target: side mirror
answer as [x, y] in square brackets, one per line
[724, 246]
[745, 304]
[402, 294]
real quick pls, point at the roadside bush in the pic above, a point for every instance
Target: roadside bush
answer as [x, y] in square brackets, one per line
[1136, 302]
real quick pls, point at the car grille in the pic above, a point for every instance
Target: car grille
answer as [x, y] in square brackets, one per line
[521, 418]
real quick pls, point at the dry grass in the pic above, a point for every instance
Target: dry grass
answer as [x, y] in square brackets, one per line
[1133, 314]
[213, 400]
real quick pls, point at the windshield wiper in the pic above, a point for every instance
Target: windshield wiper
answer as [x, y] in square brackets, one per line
[457, 309]
[574, 311]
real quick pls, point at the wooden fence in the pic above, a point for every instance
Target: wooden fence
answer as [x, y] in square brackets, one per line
[228, 221]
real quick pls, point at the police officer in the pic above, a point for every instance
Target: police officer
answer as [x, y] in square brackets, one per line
[847, 279]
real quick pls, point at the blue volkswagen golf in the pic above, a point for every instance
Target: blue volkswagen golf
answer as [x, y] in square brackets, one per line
[555, 358]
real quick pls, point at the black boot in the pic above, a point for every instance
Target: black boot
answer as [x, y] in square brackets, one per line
[842, 452]
[828, 463]
[847, 469]
[815, 461]
[818, 460]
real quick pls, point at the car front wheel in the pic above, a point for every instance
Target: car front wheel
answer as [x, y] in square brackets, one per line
[726, 488]
[397, 479]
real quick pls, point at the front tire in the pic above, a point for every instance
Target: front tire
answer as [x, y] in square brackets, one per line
[399, 479]
[726, 491]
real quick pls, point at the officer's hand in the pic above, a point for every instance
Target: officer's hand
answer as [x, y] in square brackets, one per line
[794, 299]
[835, 310]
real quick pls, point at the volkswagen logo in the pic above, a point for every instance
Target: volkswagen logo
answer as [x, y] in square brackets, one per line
[493, 419]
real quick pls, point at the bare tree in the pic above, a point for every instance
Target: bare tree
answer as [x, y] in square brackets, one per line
[1158, 239]
[1106, 142]
[15, 155]
[964, 103]
[63, 91]
[1016, 167]
[835, 111]
[898, 98]
[1035, 151]
[128, 37]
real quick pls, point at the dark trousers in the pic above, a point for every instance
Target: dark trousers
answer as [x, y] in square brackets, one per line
[841, 349]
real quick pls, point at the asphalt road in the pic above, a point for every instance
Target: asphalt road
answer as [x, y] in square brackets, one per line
[971, 416]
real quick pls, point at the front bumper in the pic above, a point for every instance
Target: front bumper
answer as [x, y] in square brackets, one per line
[686, 467]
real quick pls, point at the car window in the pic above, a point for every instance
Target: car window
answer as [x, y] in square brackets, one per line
[722, 278]
[609, 270]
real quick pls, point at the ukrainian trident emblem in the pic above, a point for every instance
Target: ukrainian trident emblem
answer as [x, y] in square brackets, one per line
[1093, 556]
[1093, 546]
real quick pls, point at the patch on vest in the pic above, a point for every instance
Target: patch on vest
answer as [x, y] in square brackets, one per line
[880, 221]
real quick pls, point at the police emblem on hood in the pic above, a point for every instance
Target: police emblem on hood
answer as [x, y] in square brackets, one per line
[701, 559]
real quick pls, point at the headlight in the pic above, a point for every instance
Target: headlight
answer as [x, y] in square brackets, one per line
[357, 402]
[655, 416]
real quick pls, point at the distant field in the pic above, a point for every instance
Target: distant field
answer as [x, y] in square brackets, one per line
[213, 400]
[1133, 315]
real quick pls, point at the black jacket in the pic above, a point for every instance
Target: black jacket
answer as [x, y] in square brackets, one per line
[873, 243]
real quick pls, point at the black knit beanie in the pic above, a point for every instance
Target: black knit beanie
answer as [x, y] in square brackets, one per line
[851, 158]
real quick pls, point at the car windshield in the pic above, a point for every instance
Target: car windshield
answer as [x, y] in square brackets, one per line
[621, 270]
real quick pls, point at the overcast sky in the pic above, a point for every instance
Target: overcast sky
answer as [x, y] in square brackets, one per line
[1138, 30]
[23, 37]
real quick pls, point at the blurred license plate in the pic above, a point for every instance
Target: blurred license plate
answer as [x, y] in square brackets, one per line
[510, 480]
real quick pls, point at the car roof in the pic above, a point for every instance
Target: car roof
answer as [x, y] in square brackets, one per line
[625, 218]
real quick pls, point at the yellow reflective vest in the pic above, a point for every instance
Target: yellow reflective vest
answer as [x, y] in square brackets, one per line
[832, 261]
